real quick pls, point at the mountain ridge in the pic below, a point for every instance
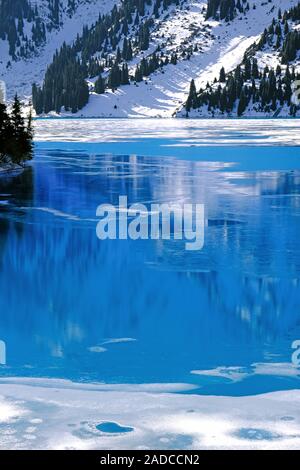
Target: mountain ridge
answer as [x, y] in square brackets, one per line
[184, 40]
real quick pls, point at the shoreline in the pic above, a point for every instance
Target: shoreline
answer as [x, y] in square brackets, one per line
[173, 118]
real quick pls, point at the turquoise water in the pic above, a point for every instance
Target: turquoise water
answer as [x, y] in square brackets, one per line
[113, 428]
[122, 311]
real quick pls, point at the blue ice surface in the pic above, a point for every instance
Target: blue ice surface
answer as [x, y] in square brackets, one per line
[245, 158]
[123, 311]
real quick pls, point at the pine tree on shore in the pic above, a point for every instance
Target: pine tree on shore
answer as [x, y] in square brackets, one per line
[15, 135]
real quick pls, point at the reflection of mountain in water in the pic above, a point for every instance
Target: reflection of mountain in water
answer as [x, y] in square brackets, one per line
[226, 304]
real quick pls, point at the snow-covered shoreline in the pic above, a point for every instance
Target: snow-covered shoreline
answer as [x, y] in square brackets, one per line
[55, 414]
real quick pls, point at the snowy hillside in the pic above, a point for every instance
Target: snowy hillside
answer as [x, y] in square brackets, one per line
[20, 72]
[219, 44]
[264, 84]
[183, 44]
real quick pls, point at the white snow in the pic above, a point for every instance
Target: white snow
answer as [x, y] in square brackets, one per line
[9, 411]
[52, 414]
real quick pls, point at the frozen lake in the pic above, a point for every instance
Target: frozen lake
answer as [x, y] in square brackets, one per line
[216, 325]
[176, 132]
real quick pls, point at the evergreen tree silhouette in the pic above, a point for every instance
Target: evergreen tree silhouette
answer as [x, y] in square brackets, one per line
[15, 135]
[99, 85]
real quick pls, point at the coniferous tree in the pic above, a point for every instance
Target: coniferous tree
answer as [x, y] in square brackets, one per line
[242, 102]
[114, 78]
[15, 135]
[222, 78]
[223, 9]
[124, 75]
[99, 85]
[144, 36]
[192, 98]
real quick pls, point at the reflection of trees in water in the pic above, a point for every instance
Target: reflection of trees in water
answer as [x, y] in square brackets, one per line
[16, 189]
[269, 307]
[73, 288]
[67, 299]
[282, 183]
[4, 230]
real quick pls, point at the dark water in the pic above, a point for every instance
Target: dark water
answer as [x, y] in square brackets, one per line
[123, 311]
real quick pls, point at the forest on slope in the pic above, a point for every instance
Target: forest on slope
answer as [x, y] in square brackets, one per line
[257, 86]
[140, 57]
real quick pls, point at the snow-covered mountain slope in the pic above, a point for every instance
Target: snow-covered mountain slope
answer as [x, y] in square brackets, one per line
[20, 73]
[180, 28]
[219, 44]
[265, 84]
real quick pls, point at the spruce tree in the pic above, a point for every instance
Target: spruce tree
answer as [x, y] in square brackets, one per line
[99, 85]
[192, 98]
[242, 103]
[222, 78]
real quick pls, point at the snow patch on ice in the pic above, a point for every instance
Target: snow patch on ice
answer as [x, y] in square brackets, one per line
[66, 416]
